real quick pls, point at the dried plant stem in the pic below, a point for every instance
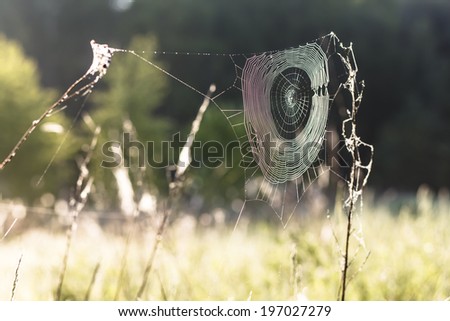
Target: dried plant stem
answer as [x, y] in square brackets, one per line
[69, 236]
[130, 231]
[131, 212]
[176, 176]
[77, 203]
[346, 251]
[163, 290]
[351, 188]
[91, 284]
[123, 266]
[295, 272]
[358, 178]
[91, 77]
[154, 250]
[16, 278]
[9, 229]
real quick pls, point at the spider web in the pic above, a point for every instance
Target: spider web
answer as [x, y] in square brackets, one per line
[286, 95]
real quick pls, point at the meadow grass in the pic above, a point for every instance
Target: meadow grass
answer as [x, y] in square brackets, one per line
[409, 259]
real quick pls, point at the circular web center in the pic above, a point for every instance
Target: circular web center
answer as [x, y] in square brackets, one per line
[291, 97]
[290, 101]
[285, 109]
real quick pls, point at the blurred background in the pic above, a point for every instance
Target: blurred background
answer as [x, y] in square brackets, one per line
[402, 47]
[403, 51]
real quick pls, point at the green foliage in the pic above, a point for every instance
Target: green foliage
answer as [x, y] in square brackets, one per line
[402, 48]
[22, 100]
[409, 259]
[217, 181]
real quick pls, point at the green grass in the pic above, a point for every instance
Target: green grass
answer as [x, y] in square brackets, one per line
[409, 259]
